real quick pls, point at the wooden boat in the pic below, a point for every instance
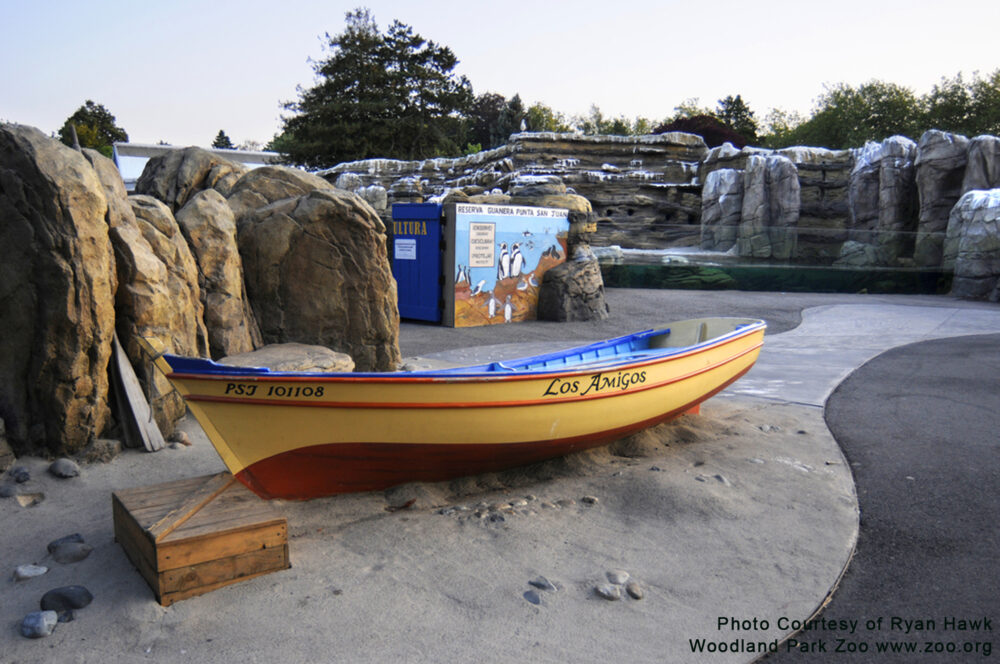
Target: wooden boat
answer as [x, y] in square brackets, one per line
[304, 435]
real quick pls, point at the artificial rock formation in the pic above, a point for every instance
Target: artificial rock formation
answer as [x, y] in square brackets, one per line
[983, 169]
[972, 245]
[210, 229]
[721, 209]
[151, 301]
[883, 196]
[317, 272]
[770, 210]
[293, 357]
[940, 168]
[175, 177]
[57, 284]
[573, 291]
[265, 185]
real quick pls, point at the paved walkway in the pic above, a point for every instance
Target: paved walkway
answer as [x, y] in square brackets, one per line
[920, 425]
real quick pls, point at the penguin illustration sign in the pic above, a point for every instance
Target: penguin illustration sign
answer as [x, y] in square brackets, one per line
[498, 254]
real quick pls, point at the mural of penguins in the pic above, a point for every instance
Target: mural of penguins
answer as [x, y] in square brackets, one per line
[516, 260]
[503, 264]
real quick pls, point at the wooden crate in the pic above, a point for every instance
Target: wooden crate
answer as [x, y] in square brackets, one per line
[192, 536]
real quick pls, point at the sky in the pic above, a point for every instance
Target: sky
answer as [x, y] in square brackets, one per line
[181, 70]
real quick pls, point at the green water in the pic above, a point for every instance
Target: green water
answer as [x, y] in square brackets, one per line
[778, 278]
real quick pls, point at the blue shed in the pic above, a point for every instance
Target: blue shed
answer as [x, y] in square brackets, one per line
[417, 260]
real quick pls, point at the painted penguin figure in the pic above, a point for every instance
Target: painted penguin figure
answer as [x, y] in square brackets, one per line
[508, 310]
[460, 277]
[492, 306]
[532, 281]
[517, 260]
[522, 285]
[479, 287]
[503, 265]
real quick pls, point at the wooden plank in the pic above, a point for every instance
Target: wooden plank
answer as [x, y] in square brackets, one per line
[211, 487]
[171, 555]
[234, 568]
[169, 598]
[137, 546]
[136, 409]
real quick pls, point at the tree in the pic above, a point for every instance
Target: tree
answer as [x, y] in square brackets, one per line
[735, 114]
[596, 123]
[707, 126]
[391, 94]
[540, 117]
[222, 141]
[849, 117]
[95, 128]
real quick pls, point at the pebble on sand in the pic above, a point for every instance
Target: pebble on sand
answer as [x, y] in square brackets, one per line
[542, 584]
[634, 590]
[64, 468]
[69, 549]
[38, 624]
[617, 576]
[19, 474]
[64, 599]
[29, 571]
[609, 591]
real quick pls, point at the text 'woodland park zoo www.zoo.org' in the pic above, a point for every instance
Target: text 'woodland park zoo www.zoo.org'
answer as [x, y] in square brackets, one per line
[948, 635]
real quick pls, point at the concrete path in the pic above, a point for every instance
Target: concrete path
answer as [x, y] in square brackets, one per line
[805, 365]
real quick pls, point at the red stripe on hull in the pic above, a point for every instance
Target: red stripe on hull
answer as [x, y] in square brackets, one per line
[324, 470]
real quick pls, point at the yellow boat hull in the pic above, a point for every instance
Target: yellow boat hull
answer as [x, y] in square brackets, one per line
[305, 436]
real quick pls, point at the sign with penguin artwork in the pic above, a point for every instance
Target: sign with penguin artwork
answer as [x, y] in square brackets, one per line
[495, 256]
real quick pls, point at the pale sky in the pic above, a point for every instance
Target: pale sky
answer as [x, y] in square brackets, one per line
[181, 70]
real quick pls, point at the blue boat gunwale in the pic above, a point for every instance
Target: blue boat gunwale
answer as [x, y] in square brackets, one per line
[209, 369]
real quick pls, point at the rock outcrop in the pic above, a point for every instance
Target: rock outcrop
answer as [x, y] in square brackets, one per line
[972, 245]
[721, 209]
[573, 291]
[265, 185]
[151, 301]
[770, 210]
[210, 230]
[983, 169]
[317, 272]
[57, 283]
[940, 168]
[883, 197]
[175, 177]
[293, 357]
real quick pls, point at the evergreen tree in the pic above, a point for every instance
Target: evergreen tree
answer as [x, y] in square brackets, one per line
[735, 114]
[222, 141]
[95, 128]
[391, 94]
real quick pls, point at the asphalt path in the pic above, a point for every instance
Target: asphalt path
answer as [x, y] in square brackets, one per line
[920, 426]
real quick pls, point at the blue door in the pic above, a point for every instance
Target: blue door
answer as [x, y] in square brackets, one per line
[416, 259]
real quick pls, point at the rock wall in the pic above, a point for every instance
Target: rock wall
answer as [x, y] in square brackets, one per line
[57, 285]
[642, 189]
[80, 260]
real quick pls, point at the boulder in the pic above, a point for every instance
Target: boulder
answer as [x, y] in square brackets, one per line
[158, 298]
[148, 302]
[897, 198]
[175, 177]
[972, 245]
[770, 209]
[293, 357]
[265, 185]
[573, 291]
[983, 168]
[317, 272]
[882, 196]
[536, 185]
[57, 281]
[721, 208]
[854, 254]
[210, 229]
[940, 167]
